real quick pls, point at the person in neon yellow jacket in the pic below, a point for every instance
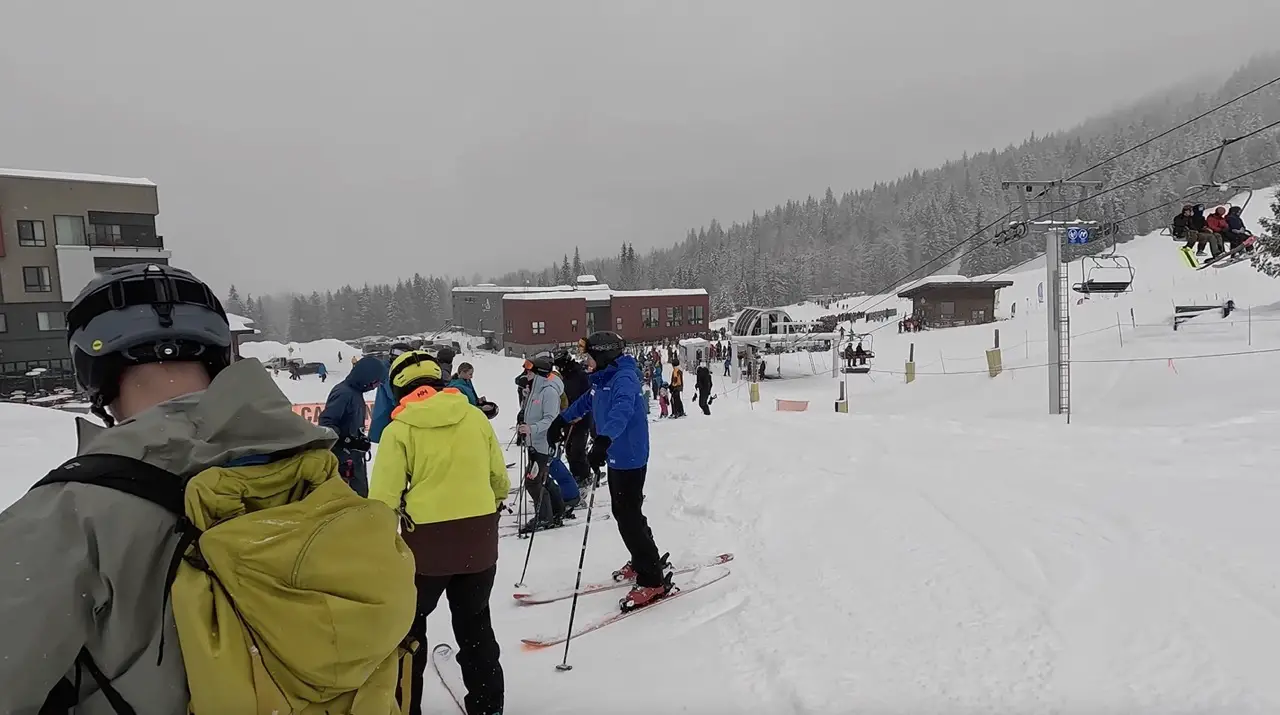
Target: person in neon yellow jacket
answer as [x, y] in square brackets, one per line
[440, 466]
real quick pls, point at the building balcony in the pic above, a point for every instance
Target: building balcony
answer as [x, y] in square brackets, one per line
[78, 264]
[125, 242]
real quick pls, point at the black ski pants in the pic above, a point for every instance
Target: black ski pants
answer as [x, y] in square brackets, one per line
[575, 451]
[548, 503]
[677, 404]
[626, 489]
[703, 396]
[478, 651]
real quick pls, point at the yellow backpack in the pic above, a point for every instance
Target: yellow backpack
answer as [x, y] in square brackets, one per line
[293, 595]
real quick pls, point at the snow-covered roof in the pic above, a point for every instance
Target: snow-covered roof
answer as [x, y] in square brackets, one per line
[557, 295]
[915, 287]
[658, 292]
[586, 278]
[72, 176]
[240, 324]
[491, 288]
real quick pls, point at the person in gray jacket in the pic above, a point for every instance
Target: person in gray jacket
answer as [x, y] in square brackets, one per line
[84, 577]
[540, 410]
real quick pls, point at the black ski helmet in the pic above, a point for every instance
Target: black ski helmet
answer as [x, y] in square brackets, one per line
[603, 346]
[143, 313]
[540, 365]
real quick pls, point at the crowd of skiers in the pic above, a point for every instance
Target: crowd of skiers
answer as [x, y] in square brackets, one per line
[211, 551]
[1222, 230]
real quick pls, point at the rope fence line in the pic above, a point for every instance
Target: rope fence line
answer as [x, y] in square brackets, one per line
[1165, 358]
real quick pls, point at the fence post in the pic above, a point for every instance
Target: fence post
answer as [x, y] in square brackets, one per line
[1118, 330]
[943, 361]
[910, 369]
[1251, 325]
[1133, 319]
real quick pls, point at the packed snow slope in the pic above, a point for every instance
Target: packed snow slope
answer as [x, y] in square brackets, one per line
[947, 546]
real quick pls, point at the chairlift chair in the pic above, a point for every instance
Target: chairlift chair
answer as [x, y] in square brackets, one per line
[1116, 273]
[862, 364]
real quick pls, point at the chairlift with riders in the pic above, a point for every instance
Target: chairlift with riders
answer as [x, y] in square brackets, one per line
[857, 360]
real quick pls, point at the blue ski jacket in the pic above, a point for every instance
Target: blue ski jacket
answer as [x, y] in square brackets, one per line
[380, 417]
[616, 403]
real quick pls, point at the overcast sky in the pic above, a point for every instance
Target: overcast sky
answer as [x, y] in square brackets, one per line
[302, 145]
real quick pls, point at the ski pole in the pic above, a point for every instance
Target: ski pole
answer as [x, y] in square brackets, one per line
[529, 551]
[543, 477]
[563, 666]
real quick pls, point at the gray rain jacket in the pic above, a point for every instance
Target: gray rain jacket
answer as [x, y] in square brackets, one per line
[541, 409]
[84, 566]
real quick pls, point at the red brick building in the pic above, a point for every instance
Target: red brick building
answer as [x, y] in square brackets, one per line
[535, 322]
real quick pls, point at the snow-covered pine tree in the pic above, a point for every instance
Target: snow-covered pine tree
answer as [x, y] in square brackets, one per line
[1266, 252]
[577, 266]
[234, 304]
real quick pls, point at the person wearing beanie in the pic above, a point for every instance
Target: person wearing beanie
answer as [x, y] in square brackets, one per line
[541, 408]
[440, 466]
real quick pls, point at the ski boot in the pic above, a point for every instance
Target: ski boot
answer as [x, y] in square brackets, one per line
[628, 572]
[536, 524]
[641, 596]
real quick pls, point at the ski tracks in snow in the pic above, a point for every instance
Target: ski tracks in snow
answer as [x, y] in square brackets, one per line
[988, 572]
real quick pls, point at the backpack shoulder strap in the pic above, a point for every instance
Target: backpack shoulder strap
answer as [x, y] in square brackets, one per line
[124, 474]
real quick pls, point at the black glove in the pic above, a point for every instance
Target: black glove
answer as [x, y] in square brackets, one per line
[520, 439]
[357, 442]
[599, 453]
[555, 432]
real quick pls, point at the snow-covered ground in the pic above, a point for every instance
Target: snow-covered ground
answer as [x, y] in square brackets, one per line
[947, 547]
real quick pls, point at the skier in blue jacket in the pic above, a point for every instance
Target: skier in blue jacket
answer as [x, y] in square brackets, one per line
[344, 413]
[385, 401]
[616, 403]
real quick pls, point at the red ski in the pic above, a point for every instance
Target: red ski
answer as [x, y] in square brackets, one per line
[536, 597]
[687, 584]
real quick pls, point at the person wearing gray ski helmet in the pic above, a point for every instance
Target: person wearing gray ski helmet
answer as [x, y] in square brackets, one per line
[140, 314]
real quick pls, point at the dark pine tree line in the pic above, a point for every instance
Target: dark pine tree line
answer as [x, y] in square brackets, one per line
[867, 240]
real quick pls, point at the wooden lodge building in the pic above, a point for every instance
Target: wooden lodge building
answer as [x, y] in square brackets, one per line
[950, 301]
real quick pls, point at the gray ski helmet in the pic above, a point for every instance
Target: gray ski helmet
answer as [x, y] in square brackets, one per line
[143, 313]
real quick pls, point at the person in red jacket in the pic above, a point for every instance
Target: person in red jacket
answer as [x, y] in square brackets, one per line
[1217, 221]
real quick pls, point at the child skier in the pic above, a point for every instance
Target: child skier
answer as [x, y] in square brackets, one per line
[622, 441]
[664, 402]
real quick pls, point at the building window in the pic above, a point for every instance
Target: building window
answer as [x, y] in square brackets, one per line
[56, 320]
[69, 230]
[673, 317]
[31, 233]
[106, 234]
[696, 315]
[35, 279]
[4, 324]
[618, 320]
[573, 324]
[539, 327]
[649, 317]
[978, 316]
[509, 330]
[591, 322]
[948, 307]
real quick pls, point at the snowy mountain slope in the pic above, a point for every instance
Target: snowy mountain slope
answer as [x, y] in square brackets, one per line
[947, 547]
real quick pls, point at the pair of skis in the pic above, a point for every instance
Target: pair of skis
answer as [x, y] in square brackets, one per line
[1222, 260]
[687, 578]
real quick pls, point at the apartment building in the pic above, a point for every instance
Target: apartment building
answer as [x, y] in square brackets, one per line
[57, 230]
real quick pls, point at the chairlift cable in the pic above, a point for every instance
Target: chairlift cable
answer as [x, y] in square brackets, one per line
[1117, 222]
[1101, 193]
[1145, 142]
